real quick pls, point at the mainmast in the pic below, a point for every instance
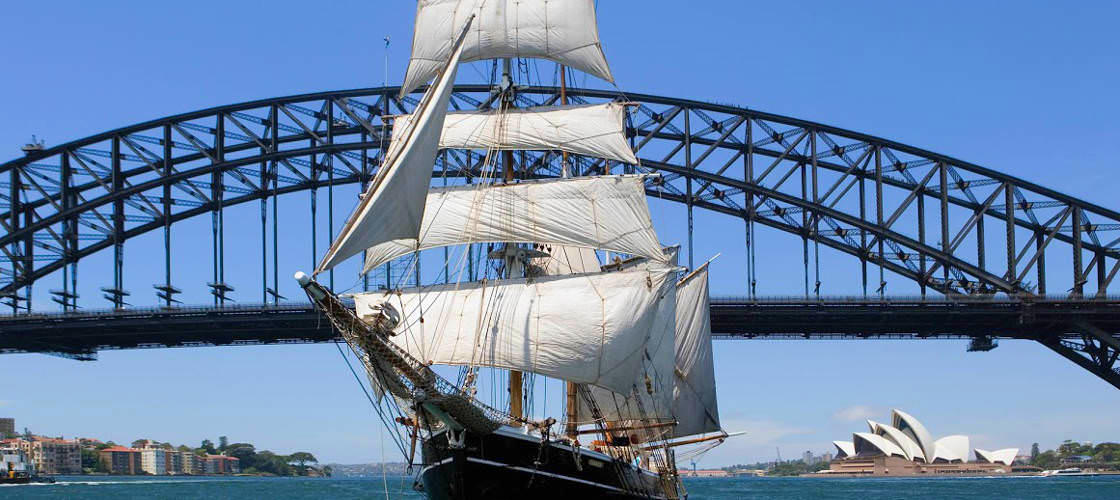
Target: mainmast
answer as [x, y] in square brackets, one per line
[516, 383]
[571, 399]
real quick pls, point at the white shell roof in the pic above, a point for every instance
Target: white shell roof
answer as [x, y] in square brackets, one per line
[1004, 456]
[912, 427]
[908, 446]
[952, 448]
[844, 449]
[867, 443]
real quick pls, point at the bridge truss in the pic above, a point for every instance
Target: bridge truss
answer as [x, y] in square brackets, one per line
[953, 228]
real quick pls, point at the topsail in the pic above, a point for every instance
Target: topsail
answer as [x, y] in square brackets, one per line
[593, 130]
[396, 195]
[603, 212]
[565, 32]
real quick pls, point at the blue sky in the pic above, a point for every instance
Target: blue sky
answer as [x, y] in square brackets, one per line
[1027, 88]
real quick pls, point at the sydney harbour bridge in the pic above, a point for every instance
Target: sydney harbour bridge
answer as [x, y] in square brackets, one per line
[991, 256]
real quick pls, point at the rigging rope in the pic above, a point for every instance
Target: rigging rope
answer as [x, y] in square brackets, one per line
[396, 439]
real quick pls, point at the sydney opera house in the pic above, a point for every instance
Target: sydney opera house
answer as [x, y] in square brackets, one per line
[904, 448]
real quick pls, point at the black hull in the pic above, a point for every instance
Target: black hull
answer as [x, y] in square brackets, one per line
[505, 464]
[26, 480]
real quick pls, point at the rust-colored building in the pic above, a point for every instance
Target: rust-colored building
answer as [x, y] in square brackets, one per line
[222, 464]
[120, 460]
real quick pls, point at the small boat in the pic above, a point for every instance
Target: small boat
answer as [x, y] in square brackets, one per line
[15, 468]
[1071, 471]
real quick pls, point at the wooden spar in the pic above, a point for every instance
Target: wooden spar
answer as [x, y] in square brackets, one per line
[572, 401]
[516, 383]
[630, 428]
[687, 441]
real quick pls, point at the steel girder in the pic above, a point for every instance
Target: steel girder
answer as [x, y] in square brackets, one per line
[895, 208]
[82, 334]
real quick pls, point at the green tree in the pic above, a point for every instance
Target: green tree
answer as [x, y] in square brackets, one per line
[1070, 448]
[327, 471]
[301, 459]
[1107, 452]
[223, 443]
[244, 452]
[269, 462]
[1047, 460]
[89, 458]
[1034, 452]
[184, 448]
[208, 447]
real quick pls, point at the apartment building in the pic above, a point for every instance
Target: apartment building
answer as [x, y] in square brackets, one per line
[120, 460]
[51, 455]
[221, 464]
[153, 461]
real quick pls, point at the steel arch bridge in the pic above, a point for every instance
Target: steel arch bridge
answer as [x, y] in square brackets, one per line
[893, 208]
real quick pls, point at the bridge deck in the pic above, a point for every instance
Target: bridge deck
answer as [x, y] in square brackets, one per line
[81, 334]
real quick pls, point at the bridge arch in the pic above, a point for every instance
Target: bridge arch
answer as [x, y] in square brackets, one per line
[900, 208]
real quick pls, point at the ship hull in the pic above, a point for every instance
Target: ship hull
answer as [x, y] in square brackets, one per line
[513, 464]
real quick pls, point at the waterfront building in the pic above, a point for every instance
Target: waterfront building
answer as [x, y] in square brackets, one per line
[221, 464]
[153, 461]
[192, 463]
[905, 447]
[174, 462]
[120, 460]
[51, 455]
[7, 426]
[705, 473]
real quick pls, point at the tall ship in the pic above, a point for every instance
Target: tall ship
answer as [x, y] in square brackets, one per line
[548, 282]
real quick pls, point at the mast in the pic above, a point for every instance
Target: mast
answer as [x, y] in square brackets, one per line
[572, 389]
[515, 376]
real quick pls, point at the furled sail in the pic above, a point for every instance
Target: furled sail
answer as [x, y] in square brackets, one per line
[588, 329]
[593, 130]
[694, 397]
[603, 212]
[562, 31]
[396, 195]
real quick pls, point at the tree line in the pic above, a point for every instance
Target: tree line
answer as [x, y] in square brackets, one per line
[1102, 453]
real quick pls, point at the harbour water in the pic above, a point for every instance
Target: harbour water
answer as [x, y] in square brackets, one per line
[718, 489]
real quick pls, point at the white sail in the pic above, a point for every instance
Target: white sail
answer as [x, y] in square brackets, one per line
[603, 212]
[593, 130]
[692, 393]
[656, 397]
[694, 397]
[588, 329]
[565, 259]
[392, 207]
[562, 31]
